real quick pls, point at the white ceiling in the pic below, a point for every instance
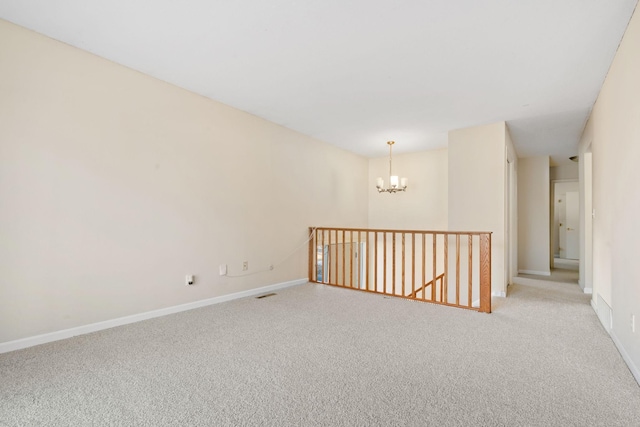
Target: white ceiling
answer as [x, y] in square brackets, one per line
[358, 73]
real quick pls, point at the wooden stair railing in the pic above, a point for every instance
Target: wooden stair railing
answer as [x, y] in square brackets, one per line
[426, 285]
[401, 263]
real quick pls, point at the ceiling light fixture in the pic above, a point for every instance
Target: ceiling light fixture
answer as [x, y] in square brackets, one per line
[574, 159]
[394, 184]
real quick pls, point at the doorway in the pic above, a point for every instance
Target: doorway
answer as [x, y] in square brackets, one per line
[565, 230]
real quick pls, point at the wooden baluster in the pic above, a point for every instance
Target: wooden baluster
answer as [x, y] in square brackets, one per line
[457, 269]
[359, 264]
[424, 265]
[470, 291]
[375, 260]
[329, 269]
[404, 275]
[413, 262]
[336, 251]
[393, 263]
[311, 253]
[315, 258]
[322, 257]
[366, 249]
[433, 283]
[403, 265]
[384, 262]
[343, 282]
[351, 259]
[445, 296]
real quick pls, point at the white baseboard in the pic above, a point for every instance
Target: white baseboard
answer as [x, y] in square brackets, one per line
[594, 306]
[588, 291]
[499, 294]
[99, 326]
[535, 272]
[632, 367]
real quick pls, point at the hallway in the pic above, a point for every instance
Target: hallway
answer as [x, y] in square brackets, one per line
[560, 275]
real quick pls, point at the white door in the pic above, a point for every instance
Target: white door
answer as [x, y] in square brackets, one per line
[572, 221]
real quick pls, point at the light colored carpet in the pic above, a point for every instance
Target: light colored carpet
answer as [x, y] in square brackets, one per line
[314, 355]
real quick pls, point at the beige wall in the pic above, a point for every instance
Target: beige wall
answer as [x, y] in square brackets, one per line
[568, 171]
[533, 215]
[424, 205]
[613, 132]
[477, 165]
[586, 217]
[115, 185]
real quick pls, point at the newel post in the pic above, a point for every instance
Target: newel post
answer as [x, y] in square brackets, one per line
[485, 273]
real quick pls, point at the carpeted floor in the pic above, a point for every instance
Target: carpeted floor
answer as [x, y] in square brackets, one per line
[314, 355]
[562, 275]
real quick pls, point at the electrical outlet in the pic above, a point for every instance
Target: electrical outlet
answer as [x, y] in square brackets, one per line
[223, 269]
[189, 279]
[245, 265]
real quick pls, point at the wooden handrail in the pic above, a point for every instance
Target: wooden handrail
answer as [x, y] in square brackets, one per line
[401, 262]
[387, 230]
[426, 285]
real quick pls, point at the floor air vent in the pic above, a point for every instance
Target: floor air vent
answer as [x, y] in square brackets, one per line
[265, 295]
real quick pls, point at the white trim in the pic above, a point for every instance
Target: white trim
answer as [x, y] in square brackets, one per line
[99, 326]
[588, 291]
[594, 306]
[502, 294]
[632, 367]
[535, 272]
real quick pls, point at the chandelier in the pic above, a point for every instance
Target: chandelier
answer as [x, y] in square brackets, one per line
[394, 184]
